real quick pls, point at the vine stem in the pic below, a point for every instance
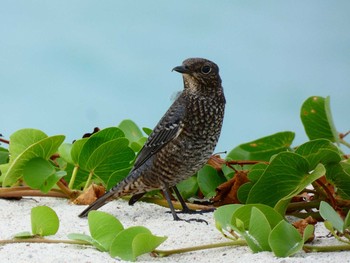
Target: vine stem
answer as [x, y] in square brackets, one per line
[311, 248]
[19, 191]
[74, 175]
[43, 240]
[88, 180]
[165, 253]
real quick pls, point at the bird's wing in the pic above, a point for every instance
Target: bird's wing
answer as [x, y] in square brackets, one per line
[167, 129]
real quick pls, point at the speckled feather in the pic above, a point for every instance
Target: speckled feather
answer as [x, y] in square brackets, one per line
[183, 140]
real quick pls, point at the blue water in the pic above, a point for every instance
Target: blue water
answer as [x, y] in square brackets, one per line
[68, 66]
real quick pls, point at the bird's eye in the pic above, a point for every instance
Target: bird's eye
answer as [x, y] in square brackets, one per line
[206, 69]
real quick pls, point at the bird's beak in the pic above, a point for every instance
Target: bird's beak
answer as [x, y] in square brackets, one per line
[181, 69]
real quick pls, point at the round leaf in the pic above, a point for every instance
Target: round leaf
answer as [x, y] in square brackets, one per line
[145, 243]
[43, 148]
[285, 240]
[223, 215]
[36, 171]
[208, 180]
[188, 187]
[122, 244]
[328, 213]
[317, 119]
[104, 227]
[44, 221]
[264, 148]
[285, 172]
[131, 130]
[244, 214]
[22, 139]
[259, 230]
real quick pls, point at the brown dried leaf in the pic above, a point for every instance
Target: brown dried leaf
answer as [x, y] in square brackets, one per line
[301, 224]
[226, 193]
[90, 195]
[216, 162]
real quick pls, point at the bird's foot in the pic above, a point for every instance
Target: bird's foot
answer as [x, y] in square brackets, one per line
[192, 211]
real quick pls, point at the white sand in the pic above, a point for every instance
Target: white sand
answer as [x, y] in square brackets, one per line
[15, 218]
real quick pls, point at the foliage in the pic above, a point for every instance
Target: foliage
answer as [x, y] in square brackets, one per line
[263, 228]
[262, 180]
[44, 222]
[107, 234]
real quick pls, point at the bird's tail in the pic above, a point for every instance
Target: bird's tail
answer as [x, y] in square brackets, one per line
[98, 203]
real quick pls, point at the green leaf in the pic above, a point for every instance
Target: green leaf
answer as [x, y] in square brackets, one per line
[116, 177]
[104, 228]
[81, 176]
[243, 192]
[122, 244]
[65, 152]
[76, 150]
[88, 239]
[256, 171]
[223, 216]
[4, 155]
[24, 235]
[244, 214]
[22, 139]
[208, 180]
[36, 171]
[131, 130]
[328, 213]
[44, 221]
[285, 240]
[317, 173]
[264, 148]
[146, 243]
[259, 230]
[346, 221]
[109, 157]
[284, 174]
[339, 175]
[319, 151]
[81, 237]
[308, 232]
[188, 187]
[317, 119]
[43, 148]
[51, 181]
[95, 141]
[147, 130]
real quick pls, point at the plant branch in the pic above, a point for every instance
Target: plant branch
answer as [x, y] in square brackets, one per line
[4, 141]
[20, 191]
[165, 253]
[43, 240]
[66, 190]
[88, 180]
[311, 248]
[74, 175]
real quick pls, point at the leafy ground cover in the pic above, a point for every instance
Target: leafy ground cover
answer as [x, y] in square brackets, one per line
[254, 187]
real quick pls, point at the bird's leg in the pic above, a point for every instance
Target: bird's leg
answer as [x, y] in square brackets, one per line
[171, 206]
[172, 209]
[185, 208]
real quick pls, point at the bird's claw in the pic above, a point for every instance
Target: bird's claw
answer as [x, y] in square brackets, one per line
[192, 211]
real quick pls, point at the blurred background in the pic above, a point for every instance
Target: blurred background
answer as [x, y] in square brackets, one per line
[69, 66]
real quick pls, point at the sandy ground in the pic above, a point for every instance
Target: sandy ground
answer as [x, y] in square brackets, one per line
[15, 218]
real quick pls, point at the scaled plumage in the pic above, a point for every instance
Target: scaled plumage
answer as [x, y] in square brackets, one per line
[182, 141]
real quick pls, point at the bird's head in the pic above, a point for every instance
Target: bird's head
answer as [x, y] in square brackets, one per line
[199, 74]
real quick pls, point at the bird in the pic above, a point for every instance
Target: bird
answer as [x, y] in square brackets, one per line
[182, 141]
